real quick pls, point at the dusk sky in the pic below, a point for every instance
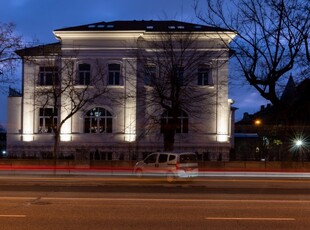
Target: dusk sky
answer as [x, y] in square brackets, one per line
[36, 20]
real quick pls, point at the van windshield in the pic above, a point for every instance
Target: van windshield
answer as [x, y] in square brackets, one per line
[188, 158]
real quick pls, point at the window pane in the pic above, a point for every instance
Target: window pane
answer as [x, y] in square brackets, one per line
[116, 78]
[87, 78]
[162, 158]
[185, 125]
[85, 67]
[203, 76]
[109, 125]
[100, 121]
[114, 67]
[111, 78]
[87, 125]
[93, 125]
[101, 125]
[151, 159]
[149, 75]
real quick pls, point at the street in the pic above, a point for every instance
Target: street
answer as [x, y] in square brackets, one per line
[47, 202]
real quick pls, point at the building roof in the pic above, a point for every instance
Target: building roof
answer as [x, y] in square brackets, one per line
[149, 25]
[41, 50]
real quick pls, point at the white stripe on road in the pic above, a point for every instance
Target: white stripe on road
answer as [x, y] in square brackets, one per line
[250, 218]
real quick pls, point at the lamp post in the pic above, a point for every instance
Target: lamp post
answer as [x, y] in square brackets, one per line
[258, 123]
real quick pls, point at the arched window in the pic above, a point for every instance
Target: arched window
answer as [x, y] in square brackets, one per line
[98, 120]
[182, 122]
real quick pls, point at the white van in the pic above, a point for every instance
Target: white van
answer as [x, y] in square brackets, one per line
[171, 165]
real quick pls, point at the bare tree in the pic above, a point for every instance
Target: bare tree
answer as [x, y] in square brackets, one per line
[270, 38]
[169, 65]
[9, 42]
[61, 89]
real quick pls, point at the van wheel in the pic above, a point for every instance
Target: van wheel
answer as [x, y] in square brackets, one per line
[170, 177]
[138, 173]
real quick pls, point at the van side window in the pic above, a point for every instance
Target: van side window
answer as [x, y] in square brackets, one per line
[162, 158]
[151, 159]
[171, 157]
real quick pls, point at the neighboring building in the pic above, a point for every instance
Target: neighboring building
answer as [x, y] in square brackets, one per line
[271, 133]
[107, 129]
[2, 142]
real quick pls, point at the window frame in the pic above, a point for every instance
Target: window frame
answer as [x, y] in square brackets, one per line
[204, 76]
[182, 125]
[44, 118]
[48, 76]
[102, 123]
[113, 79]
[86, 74]
[150, 75]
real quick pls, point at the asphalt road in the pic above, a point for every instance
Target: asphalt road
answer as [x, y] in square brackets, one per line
[87, 202]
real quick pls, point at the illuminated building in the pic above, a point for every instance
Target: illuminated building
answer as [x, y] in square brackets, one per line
[107, 128]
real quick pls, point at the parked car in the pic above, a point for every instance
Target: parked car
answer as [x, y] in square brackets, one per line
[168, 164]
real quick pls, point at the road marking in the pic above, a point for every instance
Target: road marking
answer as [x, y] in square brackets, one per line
[250, 218]
[13, 216]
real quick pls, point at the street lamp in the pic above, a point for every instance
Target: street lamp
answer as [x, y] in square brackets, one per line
[257, 122]
[299, 144]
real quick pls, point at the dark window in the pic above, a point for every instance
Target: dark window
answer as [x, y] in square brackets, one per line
[149, 75]
[114, 74]
[98, 120]
[84, 74]
[181, 125]
[162, 158]
[48, 118]
[180, 75]
[151, 159]
[204, 76]
[172, 157]
[48, 76]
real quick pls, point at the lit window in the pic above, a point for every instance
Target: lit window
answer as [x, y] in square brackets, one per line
[48, 75]
[98, 120]
[84, 74]
[181, 123]
[114, 74]
[48, 118]
[149, 75]
[204, 76]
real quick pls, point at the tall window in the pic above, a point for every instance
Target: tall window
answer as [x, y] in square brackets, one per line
[48, 117]
[114, 74]
[48, 75]
[98, 120]
[204, 76]
[180, 75]
[84, 74]
[182, 122]
[149, 75]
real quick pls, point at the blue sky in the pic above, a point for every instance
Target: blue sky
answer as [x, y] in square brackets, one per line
[36, 19]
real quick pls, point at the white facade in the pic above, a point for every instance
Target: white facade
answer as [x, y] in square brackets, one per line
[124, 123]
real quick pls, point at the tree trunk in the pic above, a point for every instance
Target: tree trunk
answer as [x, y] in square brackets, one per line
[169, 140]
[56, 146]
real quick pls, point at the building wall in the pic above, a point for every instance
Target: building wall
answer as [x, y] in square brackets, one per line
[208, 133]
